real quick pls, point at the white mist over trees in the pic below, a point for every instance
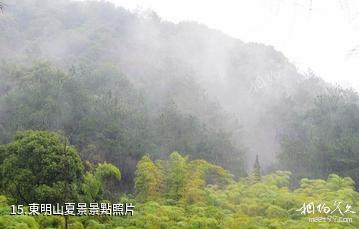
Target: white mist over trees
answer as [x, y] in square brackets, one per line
[122, 84]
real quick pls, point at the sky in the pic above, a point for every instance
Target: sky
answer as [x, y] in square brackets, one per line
[314, 34]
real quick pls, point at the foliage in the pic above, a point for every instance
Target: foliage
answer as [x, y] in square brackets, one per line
[120, 84]
[98, 184]
[267, 203]
[200, 200]
[324, 139]
[38, 166]
[104, 116]
[147, 180]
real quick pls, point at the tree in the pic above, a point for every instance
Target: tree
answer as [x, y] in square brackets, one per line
[147, 179]
[39, 168]
[97, 184]
[255, 175]
[108, 175]
[176, 175]
[325, 138]
[200, 174]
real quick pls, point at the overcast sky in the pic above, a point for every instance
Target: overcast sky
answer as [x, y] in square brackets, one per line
[315, 34]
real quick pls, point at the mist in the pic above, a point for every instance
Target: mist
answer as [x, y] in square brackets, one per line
[122, 119]
[232, 87]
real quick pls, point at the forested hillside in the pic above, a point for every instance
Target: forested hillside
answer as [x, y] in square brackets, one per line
[124, 90]
[102, 88]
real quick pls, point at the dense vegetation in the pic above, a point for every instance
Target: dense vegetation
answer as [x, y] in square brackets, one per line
[325, 138]
[106, 118]
[95, 99]
[178, 193]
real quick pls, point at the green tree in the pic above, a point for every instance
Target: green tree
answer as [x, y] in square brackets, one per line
[255, 175]
[176, 176]
[99, 184]
[325, 138]
[147, 179]
[39, 167]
